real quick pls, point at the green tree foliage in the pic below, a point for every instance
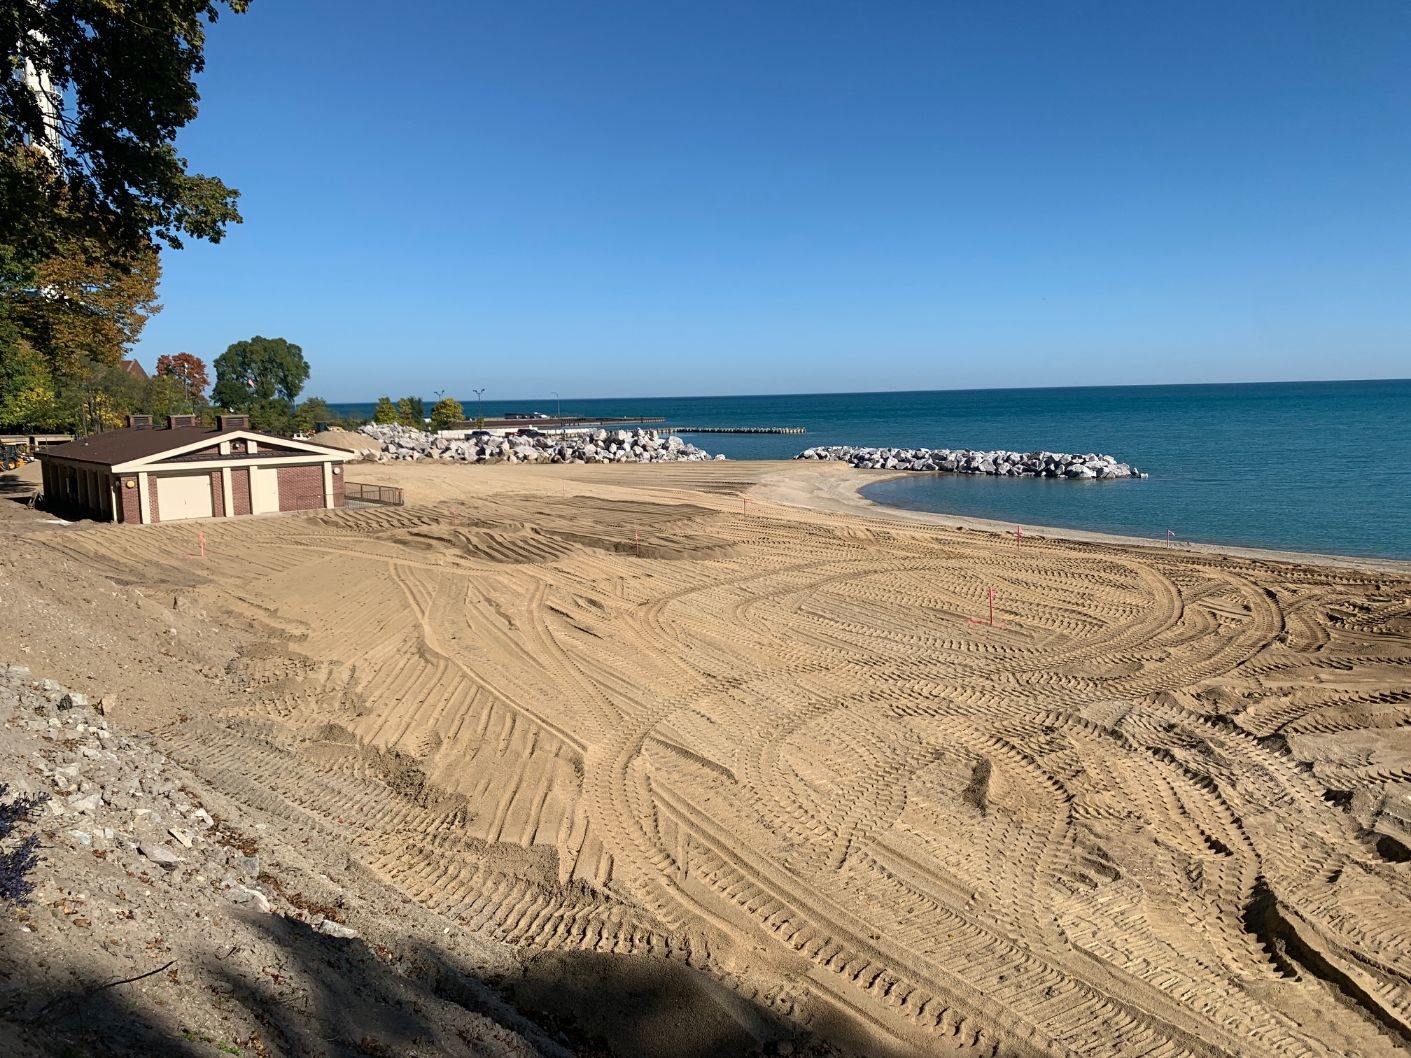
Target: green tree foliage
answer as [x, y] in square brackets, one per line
[385, 412]
[90, 187]
[411, 412]
[165, 395]
[92, 396]
[101, 164]
[27, 392]
[77, 305]
[252, 373]
[275, 415]
[312, 412]
[98, 396]
[446, 414]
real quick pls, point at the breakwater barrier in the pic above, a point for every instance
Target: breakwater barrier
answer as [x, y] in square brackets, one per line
[738, 429]
[969, 461]
[554, 422]
[588, 446]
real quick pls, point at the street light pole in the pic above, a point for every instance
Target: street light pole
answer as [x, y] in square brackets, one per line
[558, 410]
[479, 414]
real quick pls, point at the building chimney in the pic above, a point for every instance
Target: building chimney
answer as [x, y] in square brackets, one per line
[139, 422]
[232, 422]
[173, 421]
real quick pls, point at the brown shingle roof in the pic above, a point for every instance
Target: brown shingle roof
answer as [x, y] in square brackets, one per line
[113, 447]
[133, 368]
[119, 446]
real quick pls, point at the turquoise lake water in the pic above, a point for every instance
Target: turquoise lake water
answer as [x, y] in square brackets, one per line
[1303, 466]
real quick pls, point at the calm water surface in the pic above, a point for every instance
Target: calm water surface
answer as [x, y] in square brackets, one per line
[1304, 466]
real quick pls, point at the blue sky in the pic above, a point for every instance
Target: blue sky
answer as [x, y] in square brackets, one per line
[618, 198]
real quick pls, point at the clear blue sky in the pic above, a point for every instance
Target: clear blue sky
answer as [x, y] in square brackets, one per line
[666, 197]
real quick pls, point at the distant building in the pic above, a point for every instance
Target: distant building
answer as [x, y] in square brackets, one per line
[133, 368]
[144, 475]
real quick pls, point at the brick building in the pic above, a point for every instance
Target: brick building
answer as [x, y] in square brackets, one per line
[143, 474]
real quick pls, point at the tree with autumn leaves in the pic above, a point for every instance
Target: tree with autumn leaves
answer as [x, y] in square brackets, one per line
[66, 327]
[189, 372]
[91, 188]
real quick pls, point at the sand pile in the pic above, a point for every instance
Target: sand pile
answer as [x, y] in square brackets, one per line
[350, 441]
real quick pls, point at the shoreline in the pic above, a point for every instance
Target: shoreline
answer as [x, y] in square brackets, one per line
[838, 489]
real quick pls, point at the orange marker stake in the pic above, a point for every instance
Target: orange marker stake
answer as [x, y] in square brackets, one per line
[978, 620]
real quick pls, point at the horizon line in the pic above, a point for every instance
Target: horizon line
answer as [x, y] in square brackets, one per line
[960, 389]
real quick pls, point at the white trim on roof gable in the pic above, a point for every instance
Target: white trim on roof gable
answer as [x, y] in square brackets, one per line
[168, 454]
[195, 466]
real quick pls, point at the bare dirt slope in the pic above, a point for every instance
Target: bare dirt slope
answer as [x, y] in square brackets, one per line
[1158, 809]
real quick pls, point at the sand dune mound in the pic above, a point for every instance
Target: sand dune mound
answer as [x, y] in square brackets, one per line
[349, 440]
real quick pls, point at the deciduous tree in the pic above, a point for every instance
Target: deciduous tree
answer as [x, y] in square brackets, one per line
[275, 416]
[165, 395]
[92, 96]
[91, 153]
[259, 370]
[78, 306]
[385, 412]
[189, 371]
[27, 393]
[411, 412]
[98, 396]
[312, 412]
[446, 414]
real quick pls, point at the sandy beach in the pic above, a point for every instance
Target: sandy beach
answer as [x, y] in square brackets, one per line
[733, 716]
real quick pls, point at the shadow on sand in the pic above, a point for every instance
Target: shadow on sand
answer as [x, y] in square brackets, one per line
[12, 485]
[331, 997]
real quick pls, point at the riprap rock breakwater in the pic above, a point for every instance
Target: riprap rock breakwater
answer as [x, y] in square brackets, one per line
[588, 446]
[965, 461]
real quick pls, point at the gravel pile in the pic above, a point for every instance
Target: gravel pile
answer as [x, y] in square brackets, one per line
[115, 795]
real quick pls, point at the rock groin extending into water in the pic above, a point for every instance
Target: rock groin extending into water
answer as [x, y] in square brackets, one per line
[966, 461]
[588, 446]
